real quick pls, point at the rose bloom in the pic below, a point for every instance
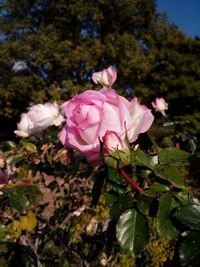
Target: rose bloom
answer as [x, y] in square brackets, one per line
[45, 115]
[25, 126]
[92, 113]
[38, 118]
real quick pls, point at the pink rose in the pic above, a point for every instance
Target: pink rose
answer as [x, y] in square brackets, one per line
[160, 105]
[136, 99]
[92, 113]
[105, 77]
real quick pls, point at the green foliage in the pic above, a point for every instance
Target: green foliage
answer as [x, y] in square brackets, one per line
[189, 215]
[120, 204]
[51, 193]
[165, 225]
[189, 250]
[116, 180]
[63, 42]
[157, 188]
[132, 231]
[170, 174]
[144, 205]
[172, 155]
[20, 197]
[143, 159]
[29, 146]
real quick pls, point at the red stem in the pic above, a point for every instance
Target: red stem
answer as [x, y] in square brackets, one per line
[130, 181]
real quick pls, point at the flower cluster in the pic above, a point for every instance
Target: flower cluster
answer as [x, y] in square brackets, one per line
[92, 118]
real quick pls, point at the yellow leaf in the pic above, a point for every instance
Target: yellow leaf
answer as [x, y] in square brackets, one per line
[15, 230]
[28, 222]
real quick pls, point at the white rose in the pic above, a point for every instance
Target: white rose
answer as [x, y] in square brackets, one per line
[45, 115]
[38, 118]
[24, 126]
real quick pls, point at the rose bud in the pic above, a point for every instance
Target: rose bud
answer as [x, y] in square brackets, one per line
[116, 153]
[105, 77]
[160, 105]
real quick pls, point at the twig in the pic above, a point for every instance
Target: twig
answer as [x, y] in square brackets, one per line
[153, 142]
[130, 181]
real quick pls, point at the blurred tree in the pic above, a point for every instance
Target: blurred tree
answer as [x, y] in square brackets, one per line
[176, 72]
[49, 49]
[175, 75]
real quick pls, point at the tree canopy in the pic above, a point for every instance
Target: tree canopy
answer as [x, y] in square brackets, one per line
[58, 44]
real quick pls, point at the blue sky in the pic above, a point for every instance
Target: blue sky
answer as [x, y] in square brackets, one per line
[184, 13]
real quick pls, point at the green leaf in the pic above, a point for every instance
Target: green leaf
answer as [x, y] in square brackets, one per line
[11, 144]
[116, 180]
[111, 197]
[6, 145]
[132, 231]
[156, 188]
[164, 223]
[10, 232]
[13, 159]
[18, 201]
[144, 205]
[29, 146]
[123, 202]
[143, 159]
[51, 135]
[171, 154]
[189, 250]
[4, 233]
[144, 173]
[183, 198]
[170, 174]
[20, 197]
[189, 215]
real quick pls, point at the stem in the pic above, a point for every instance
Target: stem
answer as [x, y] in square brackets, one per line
[130, 181]
[153, 142]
